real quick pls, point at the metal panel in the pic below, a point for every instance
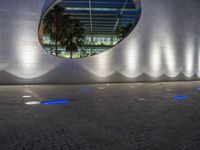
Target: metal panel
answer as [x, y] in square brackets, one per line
[164, 46]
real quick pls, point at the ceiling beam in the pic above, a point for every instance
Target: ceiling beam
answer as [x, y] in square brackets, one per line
[90, 6]
[119, 17]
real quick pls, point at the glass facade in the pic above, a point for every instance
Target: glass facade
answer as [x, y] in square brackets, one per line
[101, 24]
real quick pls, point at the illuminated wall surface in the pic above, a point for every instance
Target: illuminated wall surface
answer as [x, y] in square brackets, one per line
[165, 45]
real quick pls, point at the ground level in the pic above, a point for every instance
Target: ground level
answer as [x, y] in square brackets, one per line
[101, 117]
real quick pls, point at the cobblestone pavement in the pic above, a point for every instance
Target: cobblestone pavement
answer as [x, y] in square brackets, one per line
[101, 117]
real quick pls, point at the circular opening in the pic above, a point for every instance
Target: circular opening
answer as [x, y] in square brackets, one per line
[78, 29]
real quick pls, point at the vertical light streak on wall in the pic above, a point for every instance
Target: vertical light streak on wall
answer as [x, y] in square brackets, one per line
[155, 60]
[189, 58]
[169, 42]
[198, 70]
[132, 60]
[2, 65]
[170, 58]
[24, 50]
[100, 65]
[27, 60]
[27, 64]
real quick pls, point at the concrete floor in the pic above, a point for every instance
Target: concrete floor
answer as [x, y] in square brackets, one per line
[101, 117]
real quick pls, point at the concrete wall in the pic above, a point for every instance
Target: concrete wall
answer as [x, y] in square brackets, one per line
[164, 46]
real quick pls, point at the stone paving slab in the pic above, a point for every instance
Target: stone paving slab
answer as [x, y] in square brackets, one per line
[131, 116]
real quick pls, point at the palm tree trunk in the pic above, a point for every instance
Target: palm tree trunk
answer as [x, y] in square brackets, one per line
[56, 34]
[56, 45]
[70, 54]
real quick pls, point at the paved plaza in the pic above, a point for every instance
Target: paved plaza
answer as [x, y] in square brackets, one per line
[134, 116]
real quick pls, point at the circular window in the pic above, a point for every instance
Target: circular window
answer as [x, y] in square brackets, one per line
[82, 28]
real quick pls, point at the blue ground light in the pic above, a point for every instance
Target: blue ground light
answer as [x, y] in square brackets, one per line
[180, 98]
[55, 102]
[198, 88]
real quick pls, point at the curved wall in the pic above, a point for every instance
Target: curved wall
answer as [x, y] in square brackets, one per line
[164, 46]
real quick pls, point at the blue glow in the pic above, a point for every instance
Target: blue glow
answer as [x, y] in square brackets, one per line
[198, 88]
[84, 90]
[54, 102]
[180, 97]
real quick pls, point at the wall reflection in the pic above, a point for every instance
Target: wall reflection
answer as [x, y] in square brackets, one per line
[170, 58]
[189, 57]
[156, 59]
[100, 66]
[132, 59]
[28, 62]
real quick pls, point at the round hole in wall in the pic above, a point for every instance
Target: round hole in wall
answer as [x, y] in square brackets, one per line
[82, 28]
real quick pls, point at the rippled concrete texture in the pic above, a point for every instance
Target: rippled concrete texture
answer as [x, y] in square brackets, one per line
[165, 45]
[101, 117]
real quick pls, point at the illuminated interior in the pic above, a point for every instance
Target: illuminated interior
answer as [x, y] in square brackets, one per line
[82, 28]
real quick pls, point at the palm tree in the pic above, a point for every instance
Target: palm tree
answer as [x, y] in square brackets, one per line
[52, 24]
[121, 32]
[72, 34]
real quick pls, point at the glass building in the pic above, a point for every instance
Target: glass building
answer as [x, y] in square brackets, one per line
[106, 23]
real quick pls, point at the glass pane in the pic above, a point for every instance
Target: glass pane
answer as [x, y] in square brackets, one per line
[82, 28]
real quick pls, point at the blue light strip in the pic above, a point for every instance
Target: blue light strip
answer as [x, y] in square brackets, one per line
[55, 102]
[180, 97]
[198, 88]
